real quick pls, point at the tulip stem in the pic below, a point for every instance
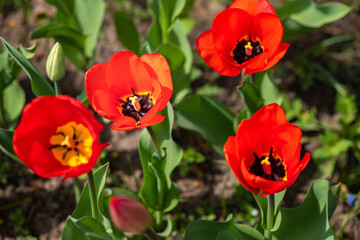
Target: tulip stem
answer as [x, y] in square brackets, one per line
[93, 201]
[154, 139]
[57, 88]
[270, 216]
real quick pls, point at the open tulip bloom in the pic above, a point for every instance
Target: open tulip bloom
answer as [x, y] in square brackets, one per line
[247, 36]
[58, 136]
[129, 90]
[265, 153]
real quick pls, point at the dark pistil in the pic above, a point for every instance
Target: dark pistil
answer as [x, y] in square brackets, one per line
[277, 167]
[130, 109]
[246, 50]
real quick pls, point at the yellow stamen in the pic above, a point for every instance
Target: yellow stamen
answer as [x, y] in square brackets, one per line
[265, 161]
[72, 144]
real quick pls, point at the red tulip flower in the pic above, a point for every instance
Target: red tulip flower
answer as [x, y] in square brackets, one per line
[129, 90]
[58, 136]
[265, 153]
[129, 215]
[247, 36]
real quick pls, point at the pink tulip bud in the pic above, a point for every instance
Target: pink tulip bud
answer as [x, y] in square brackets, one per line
[129, 215]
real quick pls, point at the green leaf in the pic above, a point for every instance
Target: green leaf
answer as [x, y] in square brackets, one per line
[173, 157]
[187, 24]
[82, 97]
[237, 120]
[83, 209]
[89, 14]
[313, 214]
[293, 29]
[73, 53]
[84, 228]
[13, 98]
[225, 236]
[251, 97]
[308, 14]
[269, 92]
[173, 54]
[181, 77]
[206, 116]
[208, 230]
[5, 79]
[127, 32]
[29, 52]
[39, 85]
[6, 143]
[60, 32]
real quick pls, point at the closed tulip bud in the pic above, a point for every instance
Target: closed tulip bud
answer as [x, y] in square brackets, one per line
[55, 63]
[129, 215]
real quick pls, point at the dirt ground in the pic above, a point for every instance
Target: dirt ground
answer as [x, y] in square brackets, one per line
[31, 206]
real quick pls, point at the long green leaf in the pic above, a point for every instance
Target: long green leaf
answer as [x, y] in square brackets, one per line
[127, 32]
[39, 85]
[206, 116]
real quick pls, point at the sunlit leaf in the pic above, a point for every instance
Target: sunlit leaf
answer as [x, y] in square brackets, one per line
[209, 230]
[127, 32]
[39, 85]
[206, 116]
[313, 214]
[308, 14]
[13, 98]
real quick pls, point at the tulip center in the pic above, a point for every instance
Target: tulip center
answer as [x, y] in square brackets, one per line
[269, 167]
[72, 144]
[246, 50]
[136, 105]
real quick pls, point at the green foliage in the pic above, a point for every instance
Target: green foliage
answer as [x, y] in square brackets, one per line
[316, 210]
[252, 98]
[13, 99]
[6, 143]
[157, 169]
[76, 27]
[39, 85]
[207, 117]
[262, 203]
[127, 32]
[208, 230]
[192, 156]
[80, 225]
[302, 16]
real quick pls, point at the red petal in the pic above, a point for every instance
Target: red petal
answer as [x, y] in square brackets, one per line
[235, 163]
[44, 163]
[271, 115]
[160, 66]
[230, 26]
[269, 29]
[213, 58]
[287, 144]
[125, 70]
[101, 98]
[277, 56]
[253, 6]
[39, 122]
